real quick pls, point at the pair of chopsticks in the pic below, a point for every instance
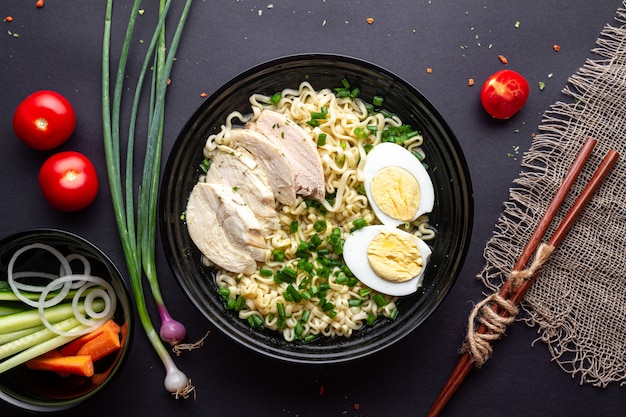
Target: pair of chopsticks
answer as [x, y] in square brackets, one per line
[502, 306]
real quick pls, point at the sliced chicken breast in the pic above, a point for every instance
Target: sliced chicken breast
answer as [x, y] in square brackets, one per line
[239, 170]
[271, 160]
[224, 228]
[299, 149]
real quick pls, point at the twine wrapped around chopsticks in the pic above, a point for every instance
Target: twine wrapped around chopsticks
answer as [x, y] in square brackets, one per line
[496, 312]
[478, 344]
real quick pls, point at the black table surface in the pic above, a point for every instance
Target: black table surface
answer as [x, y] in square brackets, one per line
[59, 47]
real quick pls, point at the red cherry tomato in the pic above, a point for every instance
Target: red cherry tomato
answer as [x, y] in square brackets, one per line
[44, 120]
[504, 94]
[68, 181]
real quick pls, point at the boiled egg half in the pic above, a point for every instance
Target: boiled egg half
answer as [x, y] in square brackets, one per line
[383, 257]
[397, 184]
[386, 259]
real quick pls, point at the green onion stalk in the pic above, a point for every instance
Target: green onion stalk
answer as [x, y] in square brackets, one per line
[138, 235]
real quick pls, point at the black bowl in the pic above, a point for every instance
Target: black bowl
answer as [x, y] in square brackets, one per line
[46, 391]
[452, 216]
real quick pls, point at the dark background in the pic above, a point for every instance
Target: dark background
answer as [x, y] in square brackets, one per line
[59, 48]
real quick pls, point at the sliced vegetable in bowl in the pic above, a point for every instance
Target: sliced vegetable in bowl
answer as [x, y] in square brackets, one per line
[65, 320]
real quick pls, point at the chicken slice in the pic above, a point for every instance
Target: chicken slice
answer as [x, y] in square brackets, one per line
[224, 228]
[271, 160]
[239, 170]
[299, 149]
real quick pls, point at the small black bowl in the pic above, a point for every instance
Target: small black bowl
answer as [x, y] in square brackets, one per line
[452, 216]
[39, 391]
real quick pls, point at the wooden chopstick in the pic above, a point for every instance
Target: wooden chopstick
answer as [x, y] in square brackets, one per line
[515, 293]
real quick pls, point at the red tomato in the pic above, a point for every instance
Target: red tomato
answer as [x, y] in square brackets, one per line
[44, 120]
[504, 94]
[68, 181]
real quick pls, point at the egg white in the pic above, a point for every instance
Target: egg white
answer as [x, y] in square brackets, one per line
[390, 154]
[355, 256]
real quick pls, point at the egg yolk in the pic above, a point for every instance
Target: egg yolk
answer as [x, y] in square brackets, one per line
[396, 192]
[394, 258]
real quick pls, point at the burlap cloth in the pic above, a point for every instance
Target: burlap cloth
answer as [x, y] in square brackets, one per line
[578, 302]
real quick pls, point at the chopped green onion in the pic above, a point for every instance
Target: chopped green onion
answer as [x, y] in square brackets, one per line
[264, 272]
[275, 99]
[251, 321]
[205, 165]
[319, 225]
[360, 133]
[293, 227]
[321, 114]
[355, 302]
[278, 255]
[240, 303]
[377, 101]
[295, 295]
[298, 330]
[352, 281]
[321, 139]
[315, 241]
[281, 323]
[379, 300]
[303, 250]
[280, 307]
[305, 266]
[359, 223]
[323, 272]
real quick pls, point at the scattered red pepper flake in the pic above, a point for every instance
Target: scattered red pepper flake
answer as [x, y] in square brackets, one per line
[356, 406]
[203, 95]
[169, 81]
[370, 20]
[429, 70]
[556, 48]
[470, 82]
[321, 390]
[503, 59]
[39, 4]
[8, 19]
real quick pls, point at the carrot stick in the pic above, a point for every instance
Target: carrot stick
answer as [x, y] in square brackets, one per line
[74, 346]
[76, 365]
[101, 346]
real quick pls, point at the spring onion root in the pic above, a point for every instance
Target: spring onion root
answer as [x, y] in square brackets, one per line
[138, 237]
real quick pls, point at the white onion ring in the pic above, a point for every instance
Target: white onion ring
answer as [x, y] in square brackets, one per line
[107, 294]
[86, 266]
[95, 287]
[65, 266]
